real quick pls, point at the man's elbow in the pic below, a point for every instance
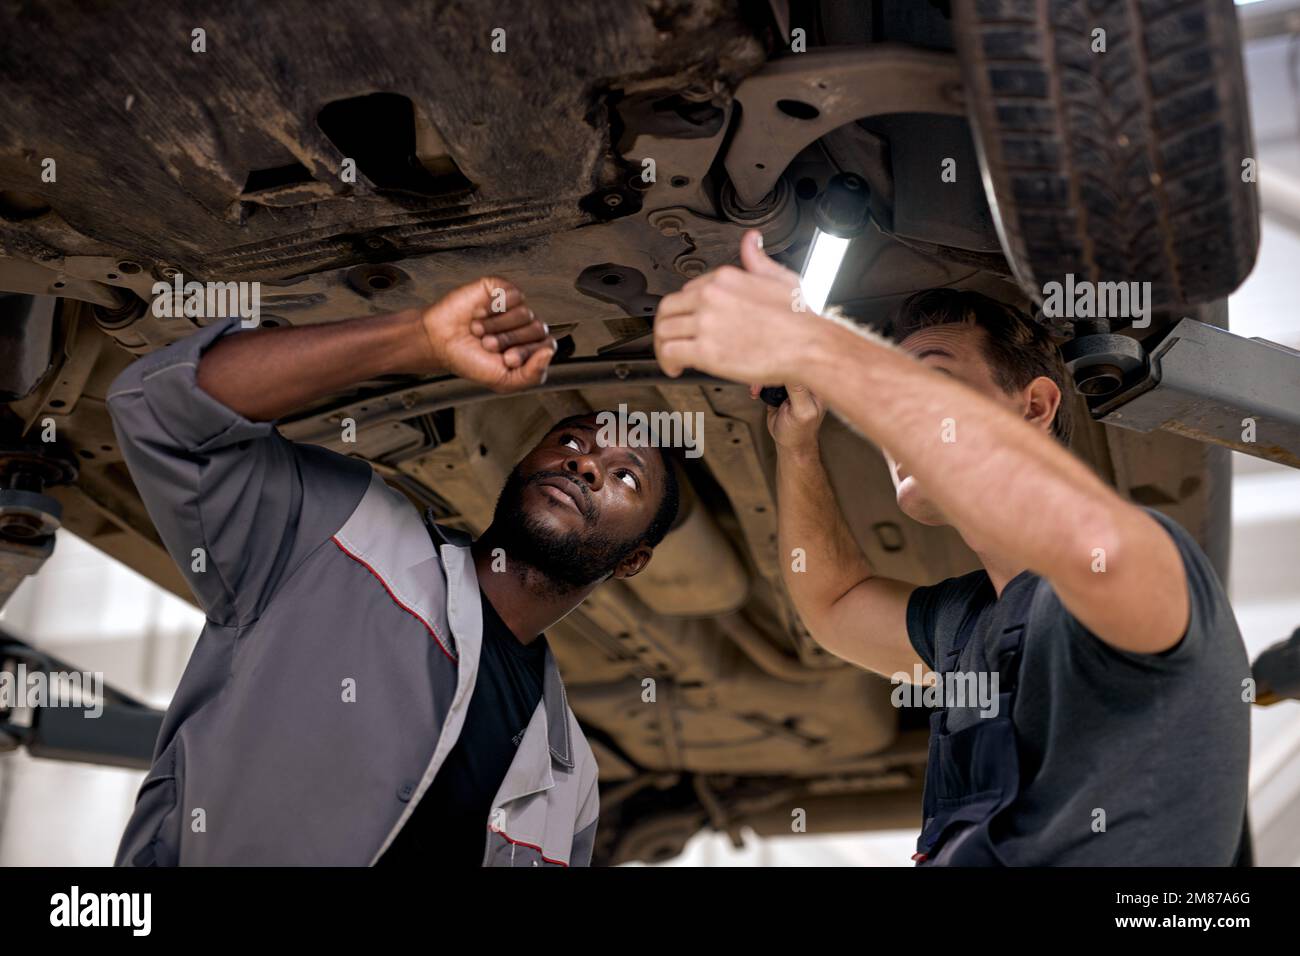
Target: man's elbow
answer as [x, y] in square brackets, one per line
[1127, 580]
[125, 404]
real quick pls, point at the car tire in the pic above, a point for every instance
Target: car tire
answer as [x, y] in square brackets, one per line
[1124, 164]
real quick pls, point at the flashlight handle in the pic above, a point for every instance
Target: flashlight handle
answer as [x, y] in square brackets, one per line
[774, 395]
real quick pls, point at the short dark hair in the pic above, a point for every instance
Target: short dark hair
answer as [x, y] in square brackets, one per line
[1017, 349]
[669, 501]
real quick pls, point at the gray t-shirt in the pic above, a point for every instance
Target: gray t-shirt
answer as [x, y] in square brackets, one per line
[1159, 742]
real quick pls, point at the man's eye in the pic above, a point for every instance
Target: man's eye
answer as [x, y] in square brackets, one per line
[571, 442]
[630, 479]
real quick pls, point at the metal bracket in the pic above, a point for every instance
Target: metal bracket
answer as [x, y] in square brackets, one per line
[795, 100]
[122, 735]
[320, 427]
[1210, 385]
[28, 518]
[620, 285]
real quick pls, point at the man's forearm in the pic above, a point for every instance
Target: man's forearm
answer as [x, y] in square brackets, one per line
[1018, 498]
[809, 518]
[268, 373]
[982, 466]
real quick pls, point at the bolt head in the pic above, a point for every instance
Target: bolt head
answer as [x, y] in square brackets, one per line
[670, 225]
[20, 526]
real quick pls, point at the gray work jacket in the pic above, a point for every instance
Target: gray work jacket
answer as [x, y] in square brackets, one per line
[335, 668]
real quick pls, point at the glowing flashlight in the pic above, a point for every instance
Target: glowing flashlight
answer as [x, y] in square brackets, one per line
[823, 265]
[843, 211]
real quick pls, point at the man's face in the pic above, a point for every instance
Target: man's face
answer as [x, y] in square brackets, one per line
[577, 511]
[956, 350]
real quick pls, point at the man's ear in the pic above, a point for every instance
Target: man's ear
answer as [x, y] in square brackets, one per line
[633, 564]
[1042, 397]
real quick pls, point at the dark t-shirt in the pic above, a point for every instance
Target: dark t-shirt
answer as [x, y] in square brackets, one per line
[452, 817]
[1159, 742]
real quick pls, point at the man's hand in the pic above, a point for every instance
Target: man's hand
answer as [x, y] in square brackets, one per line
[482, 331]
[732, 322]
[795, 425]
[485, 332]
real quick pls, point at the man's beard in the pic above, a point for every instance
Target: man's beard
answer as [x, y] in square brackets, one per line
[570, 560]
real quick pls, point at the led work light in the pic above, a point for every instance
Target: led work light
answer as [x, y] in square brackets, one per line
[842, 214]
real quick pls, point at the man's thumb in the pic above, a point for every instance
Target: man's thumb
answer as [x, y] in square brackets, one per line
[755, 260]
[802, 402]
[534, 370]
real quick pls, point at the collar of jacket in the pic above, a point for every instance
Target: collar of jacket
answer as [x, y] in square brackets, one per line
[554, 698]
